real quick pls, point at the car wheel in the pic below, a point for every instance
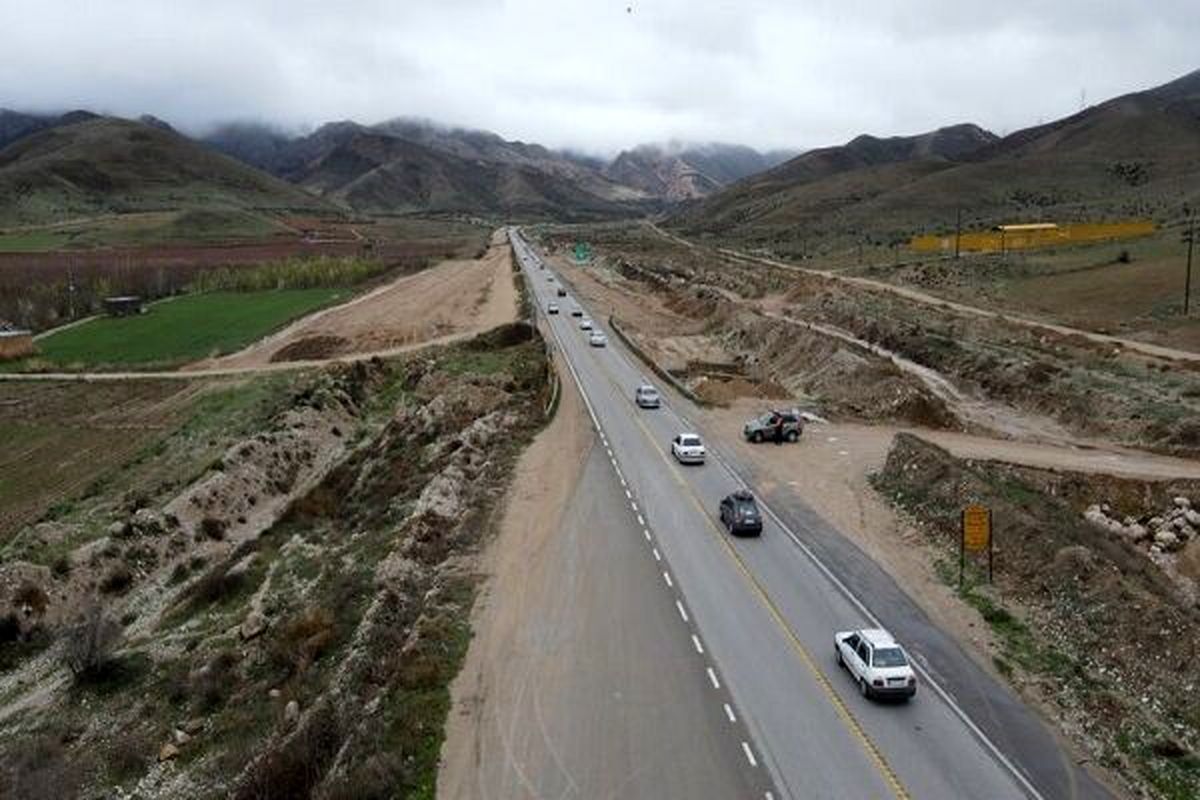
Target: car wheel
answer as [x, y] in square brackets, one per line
[756, 437]
[837, 651]
[793, 436]
[863, 688]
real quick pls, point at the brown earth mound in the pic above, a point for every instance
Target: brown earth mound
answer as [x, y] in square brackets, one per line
[310, 348]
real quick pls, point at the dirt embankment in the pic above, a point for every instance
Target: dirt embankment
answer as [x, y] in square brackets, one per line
[451, 300]
[545, 478]
[1086, 623]
[288, 624]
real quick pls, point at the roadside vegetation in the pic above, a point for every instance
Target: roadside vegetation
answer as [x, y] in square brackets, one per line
[282, 585]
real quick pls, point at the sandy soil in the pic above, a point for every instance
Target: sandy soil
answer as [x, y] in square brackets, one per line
[545, 479]
[450, 300]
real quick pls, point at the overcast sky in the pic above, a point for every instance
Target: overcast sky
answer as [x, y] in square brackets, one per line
[593, 74]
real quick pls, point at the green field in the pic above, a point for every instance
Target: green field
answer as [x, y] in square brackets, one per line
[178, 331]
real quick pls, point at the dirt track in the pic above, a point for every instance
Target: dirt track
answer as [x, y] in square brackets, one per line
[447, 301]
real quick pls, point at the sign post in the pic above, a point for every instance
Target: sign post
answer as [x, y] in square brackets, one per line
[976, 537]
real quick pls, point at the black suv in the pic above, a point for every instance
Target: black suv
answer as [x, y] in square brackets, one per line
[740, 514]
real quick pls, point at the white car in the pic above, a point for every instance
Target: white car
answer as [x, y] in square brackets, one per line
[878, 665]
[646, 396]
[585, 324]
[597, 339]
[576, 311]
[552, 308]
[688, 449]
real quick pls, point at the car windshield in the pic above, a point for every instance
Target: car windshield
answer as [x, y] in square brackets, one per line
[746, 507]
[889, 657]
[690, 441]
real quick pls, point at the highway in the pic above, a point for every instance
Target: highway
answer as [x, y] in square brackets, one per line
[764, 612]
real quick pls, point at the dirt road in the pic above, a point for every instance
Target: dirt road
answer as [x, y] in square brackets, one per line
[450, 300]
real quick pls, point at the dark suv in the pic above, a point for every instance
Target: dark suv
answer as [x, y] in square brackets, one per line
[740, 514]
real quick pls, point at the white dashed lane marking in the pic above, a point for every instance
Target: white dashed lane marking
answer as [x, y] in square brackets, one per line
[699, 647]
[712, 676]
[749, 754]
[729, 713]
[683, 614]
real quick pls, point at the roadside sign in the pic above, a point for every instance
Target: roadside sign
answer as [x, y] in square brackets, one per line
[976, 536]
[583, 252]
[977, 528]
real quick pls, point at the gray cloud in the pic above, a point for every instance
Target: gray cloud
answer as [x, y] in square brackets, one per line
[588, 73]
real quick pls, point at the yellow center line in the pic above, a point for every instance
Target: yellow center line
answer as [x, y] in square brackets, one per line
[843, 711]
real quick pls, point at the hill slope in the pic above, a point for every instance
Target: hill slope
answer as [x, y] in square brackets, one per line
[678, 172]
[1135, 155]
[372, 171]
[104, 165]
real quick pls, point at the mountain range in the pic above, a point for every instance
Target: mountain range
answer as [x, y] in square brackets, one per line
[1135, 155]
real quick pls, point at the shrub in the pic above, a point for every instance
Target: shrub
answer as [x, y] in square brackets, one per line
[89, 644]
[117, 581]
[302, 639]
[31, 595]
[213, 528]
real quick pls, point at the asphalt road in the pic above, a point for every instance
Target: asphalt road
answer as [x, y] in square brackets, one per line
[767, 608]
[603, 693]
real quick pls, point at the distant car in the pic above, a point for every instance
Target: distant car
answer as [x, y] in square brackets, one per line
[688, 449]
[597, 339]
[767, 427]
[878, 665]
[576, 311]
[585, 324]
[552, 308]
[646, 396]
[561, 292]
[740, 514]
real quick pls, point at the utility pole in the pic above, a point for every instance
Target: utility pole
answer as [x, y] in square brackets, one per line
[957, 232]
[1187, 284]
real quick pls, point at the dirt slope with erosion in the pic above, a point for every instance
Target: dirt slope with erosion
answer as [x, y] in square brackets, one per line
[287, 623]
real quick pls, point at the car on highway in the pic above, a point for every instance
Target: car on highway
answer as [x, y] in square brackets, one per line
[576, 311]
[773, 424]
[561, 292]
[552, 308]
[740, 514]
[646, 396]
[598, 339]
[877, 663]
[688, 448]
[585, 324]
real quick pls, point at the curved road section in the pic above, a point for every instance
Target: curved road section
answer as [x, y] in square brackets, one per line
[766, 610]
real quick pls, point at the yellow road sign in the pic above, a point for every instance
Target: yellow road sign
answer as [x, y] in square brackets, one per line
[977, 528]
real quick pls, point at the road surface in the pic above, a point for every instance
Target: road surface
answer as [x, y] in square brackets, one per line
[766, 610]
[590, 686]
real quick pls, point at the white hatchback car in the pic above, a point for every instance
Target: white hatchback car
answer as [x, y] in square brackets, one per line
[688, 449]
[585, 324]
[879, 665]
[597, 339]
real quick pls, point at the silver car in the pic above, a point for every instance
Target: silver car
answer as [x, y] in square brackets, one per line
[646, 396]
